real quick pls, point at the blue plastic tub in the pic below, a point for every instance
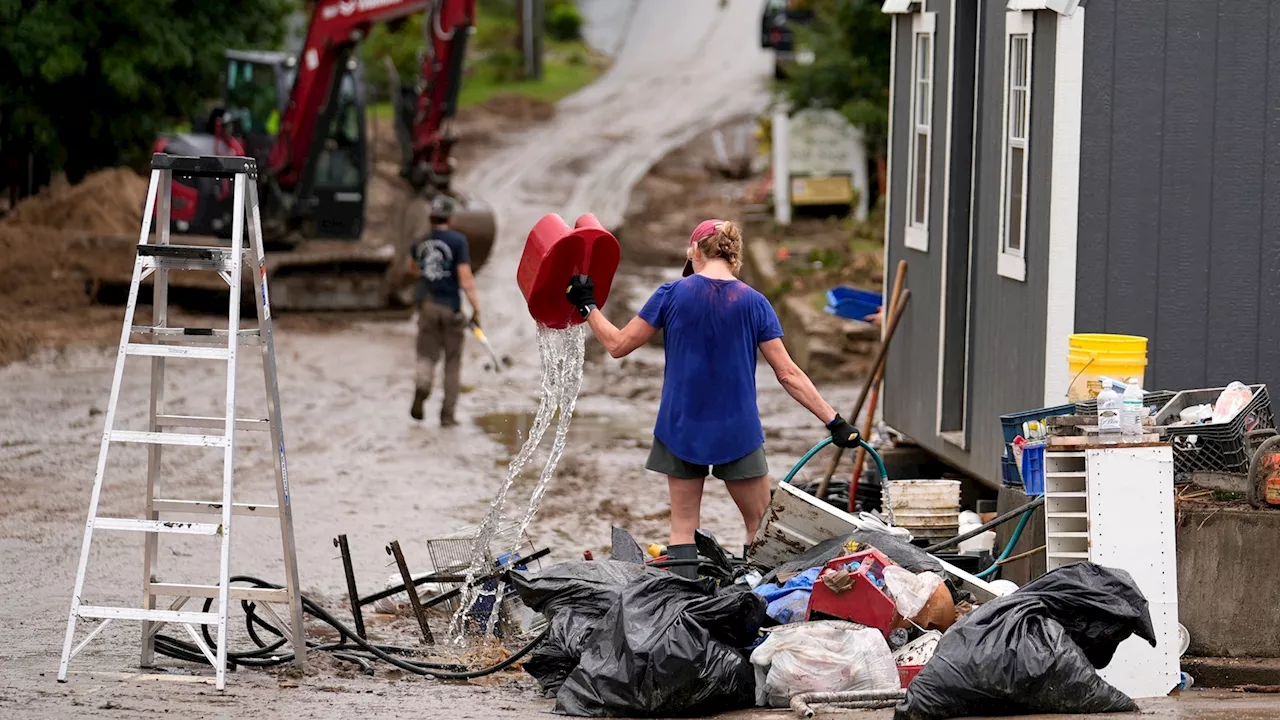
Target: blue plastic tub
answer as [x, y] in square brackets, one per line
[1033, 469]
[852, 303]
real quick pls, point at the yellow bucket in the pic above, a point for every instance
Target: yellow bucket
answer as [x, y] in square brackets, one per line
[1092, 356]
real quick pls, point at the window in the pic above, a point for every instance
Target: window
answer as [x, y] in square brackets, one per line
[1017, 132]
[918, 170]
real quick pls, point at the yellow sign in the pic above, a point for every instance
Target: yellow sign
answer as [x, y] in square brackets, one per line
[822, 190]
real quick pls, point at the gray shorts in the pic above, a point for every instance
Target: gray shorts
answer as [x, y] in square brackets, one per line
[751, 465]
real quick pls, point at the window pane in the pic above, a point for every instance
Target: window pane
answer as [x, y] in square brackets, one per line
[921, 177]
[1018, 114]
[924, 67]
[922, 103]
[1014, 199]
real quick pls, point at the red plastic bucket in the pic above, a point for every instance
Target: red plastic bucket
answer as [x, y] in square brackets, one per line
[554, 253]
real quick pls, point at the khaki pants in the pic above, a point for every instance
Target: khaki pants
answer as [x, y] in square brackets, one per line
[440, 329]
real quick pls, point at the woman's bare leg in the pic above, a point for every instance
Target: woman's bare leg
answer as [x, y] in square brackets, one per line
[752, 498]
[686, 508]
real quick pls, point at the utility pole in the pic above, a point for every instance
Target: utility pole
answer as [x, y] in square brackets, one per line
[531, 21]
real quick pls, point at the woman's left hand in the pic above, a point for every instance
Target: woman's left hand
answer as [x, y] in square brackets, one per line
[842, 433]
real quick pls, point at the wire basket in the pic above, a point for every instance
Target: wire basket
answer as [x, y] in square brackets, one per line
[1214, 447]
[451, 555]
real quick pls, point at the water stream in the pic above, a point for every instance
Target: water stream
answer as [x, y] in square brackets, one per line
[562, 353]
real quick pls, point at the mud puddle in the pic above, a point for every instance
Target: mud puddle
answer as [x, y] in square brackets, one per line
[511, 429]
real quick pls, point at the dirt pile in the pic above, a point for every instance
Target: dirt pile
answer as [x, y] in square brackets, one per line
[108, 201]
[53, 248]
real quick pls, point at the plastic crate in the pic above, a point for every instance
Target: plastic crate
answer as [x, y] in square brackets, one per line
[1009, 471]
[1033, 469]
[1156, 399]
[1214, 447]
[1012, 423]
[852, 303]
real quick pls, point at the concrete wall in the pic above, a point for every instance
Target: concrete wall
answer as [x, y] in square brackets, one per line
[1229, 581]
[1179, 235]
[1006, 333]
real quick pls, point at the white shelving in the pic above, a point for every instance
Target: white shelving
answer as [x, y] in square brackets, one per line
[1114, 506]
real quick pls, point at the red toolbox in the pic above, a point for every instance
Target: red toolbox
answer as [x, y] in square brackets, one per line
[865, 602]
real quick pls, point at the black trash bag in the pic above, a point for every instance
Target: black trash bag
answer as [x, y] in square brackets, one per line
[669, 647]
[573, 596]
[1035, 650]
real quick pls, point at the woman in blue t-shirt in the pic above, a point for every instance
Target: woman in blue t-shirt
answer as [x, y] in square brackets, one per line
[708, 421]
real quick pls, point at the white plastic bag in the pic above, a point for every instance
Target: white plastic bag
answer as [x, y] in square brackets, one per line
[911, 592]
[1231, 401]
[822, 656]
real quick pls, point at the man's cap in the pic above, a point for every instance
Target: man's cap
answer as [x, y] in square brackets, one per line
[705, 229]
[442, 206]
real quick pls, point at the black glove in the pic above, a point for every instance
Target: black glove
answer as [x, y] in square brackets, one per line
[842, 433]
[582, 294]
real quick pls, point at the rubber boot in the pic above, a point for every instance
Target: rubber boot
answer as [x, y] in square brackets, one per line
[684, 552]
[419, 396]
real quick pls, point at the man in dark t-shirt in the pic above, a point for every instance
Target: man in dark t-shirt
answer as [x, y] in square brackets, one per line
[442, 262]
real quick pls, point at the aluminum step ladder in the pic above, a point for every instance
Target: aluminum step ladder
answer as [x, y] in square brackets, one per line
[160, 342]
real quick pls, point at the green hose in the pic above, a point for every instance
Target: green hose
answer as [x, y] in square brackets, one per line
[827, 441]
[1008, 549]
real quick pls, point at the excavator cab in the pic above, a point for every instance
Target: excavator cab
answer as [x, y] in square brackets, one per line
[255, 93]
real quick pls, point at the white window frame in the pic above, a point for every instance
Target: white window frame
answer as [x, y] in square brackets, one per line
[1012, 262]
[923, 25]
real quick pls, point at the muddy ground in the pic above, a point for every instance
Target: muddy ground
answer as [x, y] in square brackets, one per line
[357, 463]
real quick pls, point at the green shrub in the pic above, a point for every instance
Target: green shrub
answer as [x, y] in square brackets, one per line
[564, 22]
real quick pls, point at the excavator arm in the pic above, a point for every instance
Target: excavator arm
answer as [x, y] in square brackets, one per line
[336, 27]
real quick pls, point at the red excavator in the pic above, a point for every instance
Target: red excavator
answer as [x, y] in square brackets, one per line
[303, 118]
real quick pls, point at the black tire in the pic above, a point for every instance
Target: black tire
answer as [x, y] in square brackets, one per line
[1258, 471]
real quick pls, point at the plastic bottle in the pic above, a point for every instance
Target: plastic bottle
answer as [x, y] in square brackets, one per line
[1110, 409]
[1131, 425]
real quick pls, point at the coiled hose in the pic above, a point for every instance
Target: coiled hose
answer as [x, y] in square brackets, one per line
[827, 441]
[350, 647]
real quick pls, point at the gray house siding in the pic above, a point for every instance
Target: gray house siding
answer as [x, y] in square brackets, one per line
[1007, 317]
[911, 371]
[1179, 221]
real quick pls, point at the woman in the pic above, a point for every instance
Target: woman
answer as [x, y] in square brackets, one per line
[708, 421]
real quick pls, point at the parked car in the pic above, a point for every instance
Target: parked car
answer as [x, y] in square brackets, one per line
[778, 23]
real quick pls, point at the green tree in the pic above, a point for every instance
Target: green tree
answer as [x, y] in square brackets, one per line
[85, 85]
[850, 71]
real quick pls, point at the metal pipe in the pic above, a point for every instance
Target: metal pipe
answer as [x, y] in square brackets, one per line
[446, 578]
[861, 699]
[394, 550]
[983, 528]
[353, 596]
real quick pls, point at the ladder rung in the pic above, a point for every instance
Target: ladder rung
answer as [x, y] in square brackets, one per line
[178, 351]
[157, 526]
[156, 438]
[186, 257]
[211, 591]
[216, 423]
[200, 507]
[189, 336]
[122, 613]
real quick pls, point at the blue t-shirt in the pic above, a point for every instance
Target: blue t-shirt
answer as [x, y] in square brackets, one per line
[438, 256]
[711, 330]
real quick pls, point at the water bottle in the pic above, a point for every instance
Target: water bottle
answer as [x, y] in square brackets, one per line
[1110, 409]
[1133, 410]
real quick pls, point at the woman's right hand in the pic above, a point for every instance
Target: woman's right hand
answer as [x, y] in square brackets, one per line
[582, 294]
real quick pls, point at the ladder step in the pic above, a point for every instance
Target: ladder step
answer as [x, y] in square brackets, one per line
[189, 336]
[217, 423]
[200, 507]
[279, 595]
[122, 613]
[155, 438]
[178, 351]
[186, 257]
[157, 526]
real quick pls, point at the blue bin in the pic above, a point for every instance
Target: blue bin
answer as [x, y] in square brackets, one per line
[1009, 471]
[1033, 469]
[852, 303]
